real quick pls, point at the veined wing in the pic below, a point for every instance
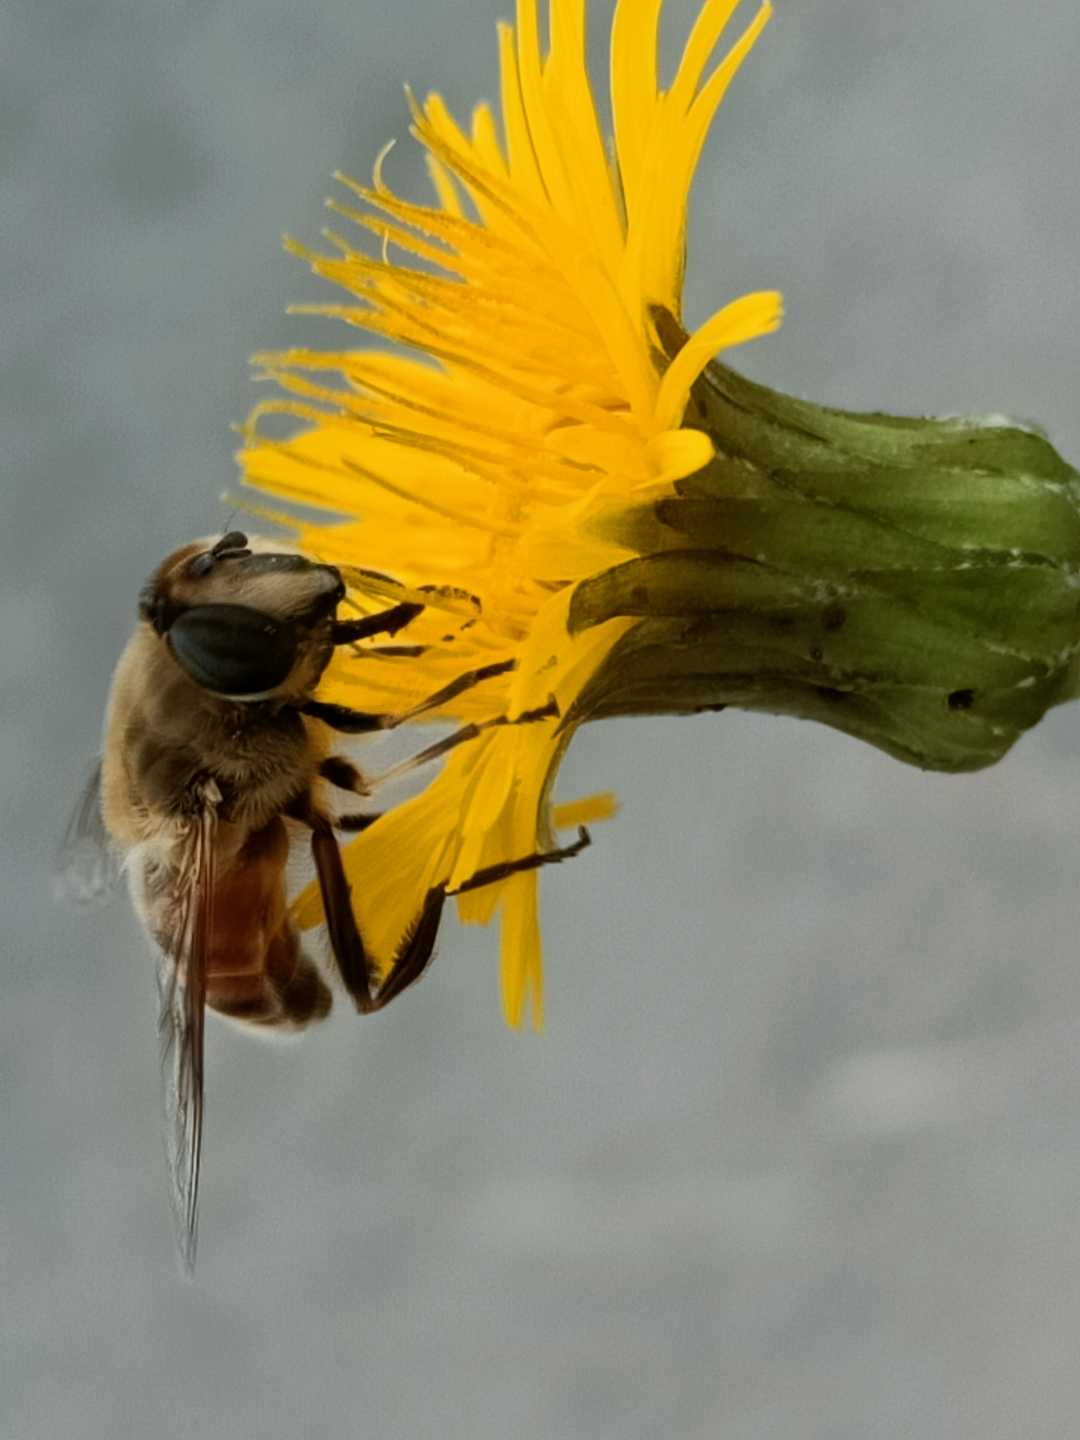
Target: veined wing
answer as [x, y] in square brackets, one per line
[87, 865]
[183, 957]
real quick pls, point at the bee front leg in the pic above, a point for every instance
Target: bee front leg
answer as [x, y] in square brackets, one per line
[356, 722]
[362, 722]
[386, 622]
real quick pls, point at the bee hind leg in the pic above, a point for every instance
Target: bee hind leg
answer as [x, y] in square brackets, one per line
[359, 974]
[505, 868]
[356, 967]
[415, 951]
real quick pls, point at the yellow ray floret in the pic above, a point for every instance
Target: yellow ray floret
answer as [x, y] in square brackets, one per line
[536, 406]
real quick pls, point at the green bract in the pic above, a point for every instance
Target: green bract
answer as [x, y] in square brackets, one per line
[912, 582]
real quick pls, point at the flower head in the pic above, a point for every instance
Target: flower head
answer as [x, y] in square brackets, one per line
[493, 464]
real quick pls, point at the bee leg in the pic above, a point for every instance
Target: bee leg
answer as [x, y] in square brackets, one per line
[354, 965]
[491, 873]
[344, 775]
[353, 962]
[459, 737]
[356, 821]
[386, 622]
[415, 952]
[362, 722]
[411, 652]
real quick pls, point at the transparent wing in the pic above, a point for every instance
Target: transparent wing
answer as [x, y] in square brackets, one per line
[182, 965]
[87, 865]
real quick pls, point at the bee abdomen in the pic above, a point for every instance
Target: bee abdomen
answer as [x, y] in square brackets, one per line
[258, 973]
[298, 1006]
[307, 997]
[288, 991]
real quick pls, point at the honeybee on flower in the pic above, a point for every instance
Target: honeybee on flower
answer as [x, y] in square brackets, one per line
[558, 506]
[638, 529]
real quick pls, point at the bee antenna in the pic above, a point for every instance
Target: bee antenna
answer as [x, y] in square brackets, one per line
[231, 541]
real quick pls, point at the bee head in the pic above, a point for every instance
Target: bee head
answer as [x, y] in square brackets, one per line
[242, 619]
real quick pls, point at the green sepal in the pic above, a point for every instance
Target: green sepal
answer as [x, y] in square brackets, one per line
[915, 583]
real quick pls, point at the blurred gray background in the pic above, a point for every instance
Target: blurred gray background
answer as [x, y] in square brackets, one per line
[799, 1152]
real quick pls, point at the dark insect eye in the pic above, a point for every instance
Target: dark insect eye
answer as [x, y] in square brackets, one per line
[202, 564]
[233, 650]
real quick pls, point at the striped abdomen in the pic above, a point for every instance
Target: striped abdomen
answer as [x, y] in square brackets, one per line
[257, 971]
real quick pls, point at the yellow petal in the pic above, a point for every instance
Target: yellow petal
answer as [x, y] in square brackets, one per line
[517, 449]
[675, 453]
[586, 811]
[742, 320]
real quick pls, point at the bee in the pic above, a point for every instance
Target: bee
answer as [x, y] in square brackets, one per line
[216, 758]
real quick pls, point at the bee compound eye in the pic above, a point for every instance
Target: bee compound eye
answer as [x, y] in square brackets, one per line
[201, 565]
[233, 650]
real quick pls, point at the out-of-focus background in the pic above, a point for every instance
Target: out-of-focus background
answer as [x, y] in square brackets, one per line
[799, 1152]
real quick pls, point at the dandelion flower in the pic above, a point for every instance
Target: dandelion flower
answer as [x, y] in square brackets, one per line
[578, 487]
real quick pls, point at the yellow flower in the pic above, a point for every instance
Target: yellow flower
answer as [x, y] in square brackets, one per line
[495, 461]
